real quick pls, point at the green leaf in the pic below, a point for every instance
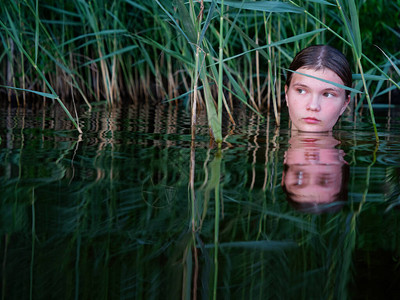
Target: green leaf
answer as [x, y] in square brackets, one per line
[51, 96]
[392, 30]
[355, 26]
[369, 77]
[96, 34]
[265, 6]
[207, 22]
[327, 81]
[284, 41]
[351, 27]
[212, 115]
[391, 62]
[385, 91]
[61, 11]
[119, 51]
[187, 23]
[261, 245]
[322, 2]
[165, 49]
[137, 6]
[189, 39]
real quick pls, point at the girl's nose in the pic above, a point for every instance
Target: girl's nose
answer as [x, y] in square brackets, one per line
[314, 103]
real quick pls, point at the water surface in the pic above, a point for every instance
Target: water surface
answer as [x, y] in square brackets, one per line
[132, 209]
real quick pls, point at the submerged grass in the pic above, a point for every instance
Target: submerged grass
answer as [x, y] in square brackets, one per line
[206, 53]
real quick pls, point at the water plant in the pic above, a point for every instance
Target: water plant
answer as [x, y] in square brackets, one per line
[220, 55]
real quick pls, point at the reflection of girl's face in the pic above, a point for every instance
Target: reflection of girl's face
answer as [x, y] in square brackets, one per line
[313, 156]
[314, 168]
[314, 105]
[313, 183]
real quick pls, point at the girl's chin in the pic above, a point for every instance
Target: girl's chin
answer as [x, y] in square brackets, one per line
[311, 128]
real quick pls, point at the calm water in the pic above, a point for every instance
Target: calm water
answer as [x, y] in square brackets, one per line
[132, 210]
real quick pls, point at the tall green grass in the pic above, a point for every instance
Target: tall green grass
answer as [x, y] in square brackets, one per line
[208, 53]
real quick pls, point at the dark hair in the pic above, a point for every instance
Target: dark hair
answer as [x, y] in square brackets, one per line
[320, 57]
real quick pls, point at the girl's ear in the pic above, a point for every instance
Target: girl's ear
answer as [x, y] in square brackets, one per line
[286, 89]
[345, 104]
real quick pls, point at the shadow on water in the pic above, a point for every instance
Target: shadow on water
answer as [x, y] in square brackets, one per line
[132, 208]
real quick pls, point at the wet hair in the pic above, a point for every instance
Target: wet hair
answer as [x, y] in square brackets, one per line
[319, 57]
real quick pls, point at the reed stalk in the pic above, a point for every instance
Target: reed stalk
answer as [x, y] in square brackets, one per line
[99, 50]
[216, 175]
[354, 36]
[218, 138]
[13, 34]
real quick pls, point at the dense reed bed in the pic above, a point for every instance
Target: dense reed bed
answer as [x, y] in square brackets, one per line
[204, 53]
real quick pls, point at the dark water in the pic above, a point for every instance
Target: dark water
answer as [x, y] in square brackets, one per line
[132, 210]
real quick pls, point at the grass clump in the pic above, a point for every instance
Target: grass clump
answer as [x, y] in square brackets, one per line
[204, 53]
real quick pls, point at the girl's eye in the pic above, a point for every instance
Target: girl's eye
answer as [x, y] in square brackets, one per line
[301, 91]
[325, 180]
[329, 95]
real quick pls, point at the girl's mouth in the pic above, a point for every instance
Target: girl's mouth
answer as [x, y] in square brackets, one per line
[310, 120]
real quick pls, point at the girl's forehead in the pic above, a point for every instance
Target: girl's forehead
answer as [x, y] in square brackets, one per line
[323, 73]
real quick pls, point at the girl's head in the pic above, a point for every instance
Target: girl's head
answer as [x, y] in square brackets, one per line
[322, 57]
[314, 103]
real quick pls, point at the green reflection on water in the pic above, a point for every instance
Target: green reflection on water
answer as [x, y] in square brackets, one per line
[133, 209]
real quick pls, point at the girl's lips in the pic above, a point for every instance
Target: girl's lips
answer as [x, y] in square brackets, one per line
[310, 120]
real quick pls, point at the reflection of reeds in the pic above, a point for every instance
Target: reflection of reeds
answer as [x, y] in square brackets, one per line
[128, 232]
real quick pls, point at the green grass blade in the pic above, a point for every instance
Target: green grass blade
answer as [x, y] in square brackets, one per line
[189, 39]
[323, 2]
[351, 26]
[369, 77]
[239, 94]
[36, 31]
[95, 34]
[281, 42]
[177, 55]
[385, 91]
[220, 66]
[187, 23]
[14, 35]
[327, 81]
[47, 95]
[136, 5]
[265, 6]
[212, 114]
[265, 245]
[61, 11]
[355, 26]
[112, 54]
[207, 22]
[248, 39]
[392, 30]
[395, 67]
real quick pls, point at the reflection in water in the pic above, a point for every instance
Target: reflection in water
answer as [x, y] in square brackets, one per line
[315, 174]
[134, 209]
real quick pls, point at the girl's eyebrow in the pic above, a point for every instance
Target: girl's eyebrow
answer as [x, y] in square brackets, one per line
[333, 89]
[299, 84]
[337, 90]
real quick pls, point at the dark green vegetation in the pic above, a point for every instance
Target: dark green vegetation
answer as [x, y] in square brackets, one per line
[229, 51]
[133, 210]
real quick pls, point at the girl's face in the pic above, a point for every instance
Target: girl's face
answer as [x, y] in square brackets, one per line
[315, 105]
